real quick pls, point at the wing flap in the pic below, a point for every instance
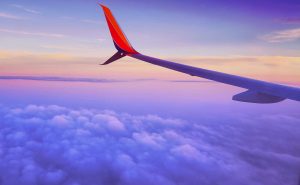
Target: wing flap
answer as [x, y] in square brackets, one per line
[251, 96]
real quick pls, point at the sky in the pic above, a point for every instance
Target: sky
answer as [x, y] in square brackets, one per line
[66, 120]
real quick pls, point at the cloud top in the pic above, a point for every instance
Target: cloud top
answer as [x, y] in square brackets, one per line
[59, 145]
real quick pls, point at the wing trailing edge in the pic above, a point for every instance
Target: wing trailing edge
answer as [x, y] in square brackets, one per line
[257, 91]
[256, 97]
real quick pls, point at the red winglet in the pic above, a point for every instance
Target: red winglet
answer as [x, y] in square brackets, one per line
[119, 38]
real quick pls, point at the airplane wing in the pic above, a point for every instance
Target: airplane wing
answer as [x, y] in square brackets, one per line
[256, 91]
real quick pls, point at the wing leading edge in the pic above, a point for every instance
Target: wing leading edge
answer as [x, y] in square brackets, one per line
[257, 91]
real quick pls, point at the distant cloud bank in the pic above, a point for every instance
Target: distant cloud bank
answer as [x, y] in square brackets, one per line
[91, 80]
[59, 145]
[59, 79]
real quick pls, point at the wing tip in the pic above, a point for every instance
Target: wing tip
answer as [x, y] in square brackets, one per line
[120, 40]
[102, 5]
[104, 8]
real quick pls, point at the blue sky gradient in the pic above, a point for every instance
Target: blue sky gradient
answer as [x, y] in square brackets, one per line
[192, 27]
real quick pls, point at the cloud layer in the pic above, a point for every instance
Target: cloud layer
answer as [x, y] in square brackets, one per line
[92, 80]
[59, 145]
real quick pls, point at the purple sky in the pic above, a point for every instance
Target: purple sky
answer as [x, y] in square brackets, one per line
[191, 28]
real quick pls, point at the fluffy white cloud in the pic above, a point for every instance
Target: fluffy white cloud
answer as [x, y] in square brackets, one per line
[58, 145]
